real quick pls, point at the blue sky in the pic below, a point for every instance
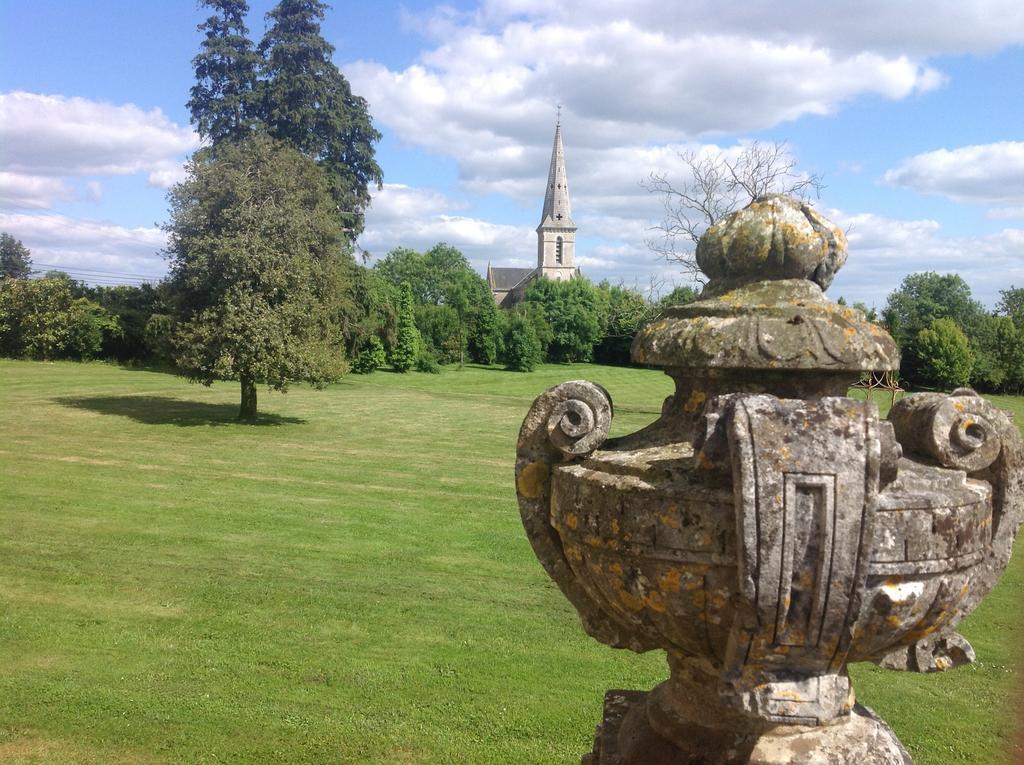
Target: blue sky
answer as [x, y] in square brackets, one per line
[910, 111]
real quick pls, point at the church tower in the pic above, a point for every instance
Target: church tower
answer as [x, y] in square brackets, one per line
[556, 234]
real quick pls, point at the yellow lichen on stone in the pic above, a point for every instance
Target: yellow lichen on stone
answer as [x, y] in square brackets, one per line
[696, 400]
[670, 580]
[703, 463]
[669, 520]
[655, 602]
[631, 601]
[533, 479]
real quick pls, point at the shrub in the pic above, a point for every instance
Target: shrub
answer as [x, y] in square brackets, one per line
[157, 335]
[486, 343]
[944, 355]
[88, 325]
[523, 351]
[41, 319]
[370, 358]
[427, 362]
[575, 310]
[440, 331]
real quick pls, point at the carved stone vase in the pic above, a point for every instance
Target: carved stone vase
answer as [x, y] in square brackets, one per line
[767, 530]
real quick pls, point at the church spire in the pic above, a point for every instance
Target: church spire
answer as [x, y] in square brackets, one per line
[556, 234]
[557, 211]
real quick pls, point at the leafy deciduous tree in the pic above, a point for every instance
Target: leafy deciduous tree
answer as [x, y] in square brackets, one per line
[946, 359]
[371, 358]
[924, 297]
[627, 311]
[1008, 350]
[920, 300]
[486, 343]
[575, 311]
[134, 307]
[42, 319]
[679, 296]
[15, 258]
[1011, 304]
[998, 346]
[371, 313]
[444, 286]
[440, 331]
[257, 266]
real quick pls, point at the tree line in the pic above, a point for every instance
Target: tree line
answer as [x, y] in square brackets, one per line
[424, 310]
[948, 339]
[410, 310]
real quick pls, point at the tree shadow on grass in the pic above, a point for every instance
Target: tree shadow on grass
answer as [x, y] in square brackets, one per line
[163, 410]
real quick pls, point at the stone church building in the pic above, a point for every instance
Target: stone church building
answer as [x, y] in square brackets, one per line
[556, 238]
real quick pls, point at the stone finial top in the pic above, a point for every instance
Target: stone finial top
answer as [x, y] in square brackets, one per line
[763, 306]
[774, 237]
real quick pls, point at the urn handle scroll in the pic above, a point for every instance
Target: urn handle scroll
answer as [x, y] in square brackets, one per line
[964, 432]
[565, 423]
[961, 431]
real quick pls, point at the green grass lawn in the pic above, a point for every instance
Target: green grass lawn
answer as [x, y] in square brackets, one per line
[347, 581]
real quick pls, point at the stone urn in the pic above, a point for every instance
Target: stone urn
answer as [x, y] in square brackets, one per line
[767, 529]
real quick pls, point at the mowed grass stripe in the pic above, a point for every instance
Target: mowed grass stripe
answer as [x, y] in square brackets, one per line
[347, 582]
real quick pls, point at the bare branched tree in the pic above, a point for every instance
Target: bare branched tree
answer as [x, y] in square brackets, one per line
[718, 184]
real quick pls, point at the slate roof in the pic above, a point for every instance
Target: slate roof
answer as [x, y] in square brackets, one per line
[504, 279]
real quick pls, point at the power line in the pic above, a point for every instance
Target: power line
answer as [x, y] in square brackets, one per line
[77, 269]
[102, 281]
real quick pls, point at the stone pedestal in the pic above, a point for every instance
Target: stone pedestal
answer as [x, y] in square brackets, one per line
[626, 737]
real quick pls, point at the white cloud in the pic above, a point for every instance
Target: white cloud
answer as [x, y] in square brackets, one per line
[165, 174]
[884, 250]
[70, 243]
[640, 71]
[1006, 213]
[18, 190]
[46, 137]
[404, 216]
[487, 95]
[919, 27]
[992, 173]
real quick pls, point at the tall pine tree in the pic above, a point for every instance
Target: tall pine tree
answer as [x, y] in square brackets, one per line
[407, 340]
[222, 103]
[306, 102]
